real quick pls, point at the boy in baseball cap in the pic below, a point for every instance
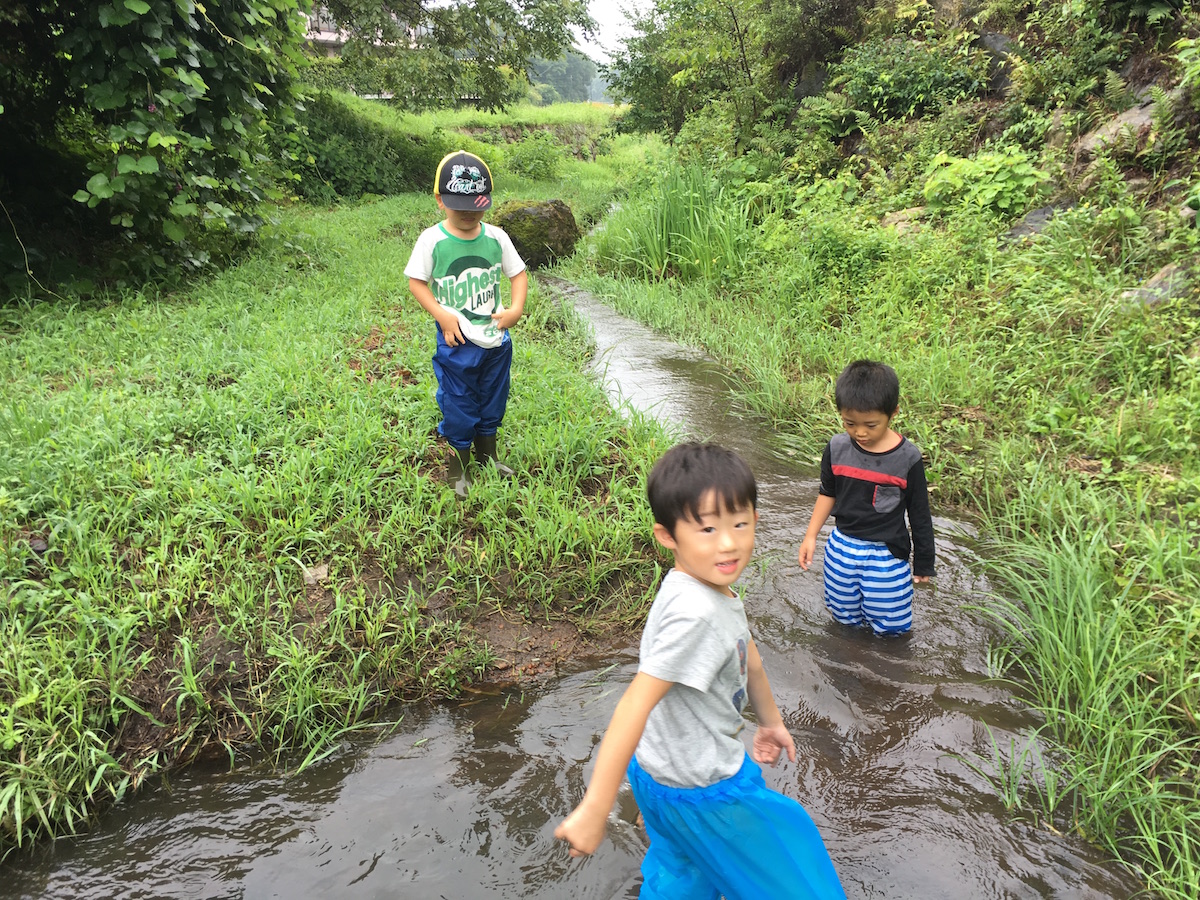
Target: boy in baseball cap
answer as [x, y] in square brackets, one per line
[455, 273]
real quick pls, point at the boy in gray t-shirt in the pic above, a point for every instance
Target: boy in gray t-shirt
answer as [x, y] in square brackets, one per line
[715, 828]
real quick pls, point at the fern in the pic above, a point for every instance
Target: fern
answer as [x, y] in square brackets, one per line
[1117, 95]
[1166, 138]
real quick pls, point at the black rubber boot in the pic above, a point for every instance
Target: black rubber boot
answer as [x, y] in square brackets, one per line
[456, 471]
[485, 455]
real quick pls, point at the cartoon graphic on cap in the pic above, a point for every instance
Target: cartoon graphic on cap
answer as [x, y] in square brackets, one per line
[464, 181]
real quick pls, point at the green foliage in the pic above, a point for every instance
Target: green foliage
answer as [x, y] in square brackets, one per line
[801, 37]
[640, 75]
[999, 183]
[567, 79]
[538, 155]
[1101, 625]
[1067, 50]
[831, 116]
[900, 77]
[338, 152]
[1157, 148]
[1154, 13]
[180, 98]
[1187, 54]
[1002, 15]
[439, 52]
[692, 57]
[681, 225]
[351, 72]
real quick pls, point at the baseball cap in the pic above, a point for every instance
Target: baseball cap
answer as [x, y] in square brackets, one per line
[464, 182]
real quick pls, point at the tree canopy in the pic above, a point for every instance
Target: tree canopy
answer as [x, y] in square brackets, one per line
[168, 119]
[443, 50]
[568, 78]
[163, 104]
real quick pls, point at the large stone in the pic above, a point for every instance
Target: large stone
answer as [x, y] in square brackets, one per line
[1171, 281]
[1000, 50]
[541, 230]
[1132, 126]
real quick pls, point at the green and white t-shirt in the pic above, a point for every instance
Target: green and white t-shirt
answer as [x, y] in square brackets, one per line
[465, 276]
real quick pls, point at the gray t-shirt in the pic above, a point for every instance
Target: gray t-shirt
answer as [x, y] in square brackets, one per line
[697, 638]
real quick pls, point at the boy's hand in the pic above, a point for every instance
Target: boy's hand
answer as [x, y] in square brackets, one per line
[807, 549]
[769, 740]
[506, 318]
[582, 830]
[450, 328]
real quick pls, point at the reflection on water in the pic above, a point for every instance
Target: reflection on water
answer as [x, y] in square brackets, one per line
[462, 801]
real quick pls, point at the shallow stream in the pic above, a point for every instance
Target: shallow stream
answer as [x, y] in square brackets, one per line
[461, 802]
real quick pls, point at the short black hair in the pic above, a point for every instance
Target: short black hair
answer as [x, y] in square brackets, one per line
[866, 386]
[687, 472]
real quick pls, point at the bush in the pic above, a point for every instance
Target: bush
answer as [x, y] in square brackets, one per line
[353, 74]
[1067, 64]
[1000, 183]
[539, 155]
[339, 153]
[897, 77]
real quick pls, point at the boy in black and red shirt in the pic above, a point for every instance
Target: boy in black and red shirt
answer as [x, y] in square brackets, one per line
[870, 478]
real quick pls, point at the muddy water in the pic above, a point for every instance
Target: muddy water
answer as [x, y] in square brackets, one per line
[461, 802]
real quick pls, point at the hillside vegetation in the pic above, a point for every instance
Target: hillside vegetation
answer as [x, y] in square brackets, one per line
[997, 199]
[202, 486]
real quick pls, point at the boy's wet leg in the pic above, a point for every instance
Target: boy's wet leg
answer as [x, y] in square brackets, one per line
[456, 471]
[486, 455]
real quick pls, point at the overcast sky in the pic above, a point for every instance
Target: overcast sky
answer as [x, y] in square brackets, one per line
[613, 26]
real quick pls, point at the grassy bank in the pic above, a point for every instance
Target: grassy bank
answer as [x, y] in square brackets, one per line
[222, 522]
[1062, 414]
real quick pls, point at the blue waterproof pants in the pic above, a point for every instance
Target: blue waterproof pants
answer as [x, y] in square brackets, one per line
[472, 393]
[865, 583]
[736, 838]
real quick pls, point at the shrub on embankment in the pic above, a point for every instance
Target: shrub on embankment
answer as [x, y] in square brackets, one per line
[339, 149]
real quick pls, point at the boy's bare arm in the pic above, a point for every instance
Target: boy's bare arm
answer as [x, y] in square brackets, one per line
[772, 735]
[519, 289]
[446, 319]
[821, 510]
[583, 829]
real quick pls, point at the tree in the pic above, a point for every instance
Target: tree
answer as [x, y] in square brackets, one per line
[442, 51]
[690, 54]
[158, 114]
[640, 75]
[569, 77]
[168, 101]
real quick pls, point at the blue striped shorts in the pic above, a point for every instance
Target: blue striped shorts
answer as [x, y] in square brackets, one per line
[865, 583]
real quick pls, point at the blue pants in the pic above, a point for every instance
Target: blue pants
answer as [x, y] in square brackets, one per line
[865, 583]
[472, 391]
[736, 838]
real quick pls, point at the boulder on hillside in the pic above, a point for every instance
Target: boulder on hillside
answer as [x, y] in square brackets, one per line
[1132, 126]
[1000, 50]
[1171, 281]
[541, 230]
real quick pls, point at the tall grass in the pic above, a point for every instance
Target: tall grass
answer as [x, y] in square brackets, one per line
[683, 225]
[1106, 649]
[1061, 414]
[175, 468]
